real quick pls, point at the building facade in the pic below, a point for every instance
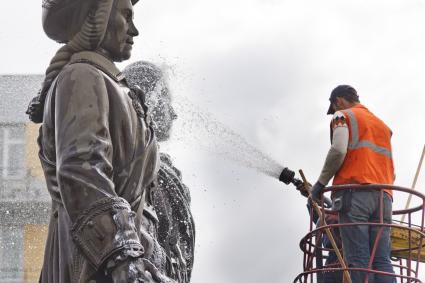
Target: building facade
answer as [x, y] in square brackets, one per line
[24, 200]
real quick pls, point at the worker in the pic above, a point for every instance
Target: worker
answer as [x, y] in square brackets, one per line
[360, 154]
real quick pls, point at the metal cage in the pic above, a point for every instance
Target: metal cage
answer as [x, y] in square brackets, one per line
[407, 240]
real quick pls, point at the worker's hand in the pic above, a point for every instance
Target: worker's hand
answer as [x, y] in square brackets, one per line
[302, 187]
[316, 191]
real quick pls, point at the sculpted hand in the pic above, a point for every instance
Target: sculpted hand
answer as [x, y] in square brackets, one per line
[138, 270]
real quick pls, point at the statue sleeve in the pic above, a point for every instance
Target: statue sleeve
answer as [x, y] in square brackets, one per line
[103, 223]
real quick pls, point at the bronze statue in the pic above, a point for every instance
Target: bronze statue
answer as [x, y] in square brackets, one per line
[97, 148]
[170, 201]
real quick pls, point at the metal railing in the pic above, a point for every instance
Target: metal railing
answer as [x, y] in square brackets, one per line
[408, 245]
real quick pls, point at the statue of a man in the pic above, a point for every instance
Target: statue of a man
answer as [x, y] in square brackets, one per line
[170, 201]
[97, 148]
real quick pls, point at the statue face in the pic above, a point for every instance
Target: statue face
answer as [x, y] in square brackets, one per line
[118, 40]
[162, 112]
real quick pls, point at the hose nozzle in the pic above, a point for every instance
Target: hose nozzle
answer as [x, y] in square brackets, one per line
[287, 176]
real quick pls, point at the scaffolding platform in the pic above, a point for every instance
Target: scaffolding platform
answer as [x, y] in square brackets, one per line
[407, 240]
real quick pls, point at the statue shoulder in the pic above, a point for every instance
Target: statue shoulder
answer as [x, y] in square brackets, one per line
[167, 165]
[80, 72]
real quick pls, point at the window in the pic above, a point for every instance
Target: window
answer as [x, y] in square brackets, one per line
[12, 151]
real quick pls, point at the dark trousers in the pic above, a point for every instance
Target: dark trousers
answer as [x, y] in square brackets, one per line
[358, 240]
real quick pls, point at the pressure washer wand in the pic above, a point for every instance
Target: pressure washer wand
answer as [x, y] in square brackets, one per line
[288, 177]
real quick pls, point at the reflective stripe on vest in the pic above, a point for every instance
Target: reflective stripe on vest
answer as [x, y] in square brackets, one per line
[355, 143]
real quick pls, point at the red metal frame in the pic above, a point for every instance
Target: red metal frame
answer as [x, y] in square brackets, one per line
[406, 269]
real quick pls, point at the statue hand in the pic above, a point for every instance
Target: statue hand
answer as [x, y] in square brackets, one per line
[137, 270]
[130, 270]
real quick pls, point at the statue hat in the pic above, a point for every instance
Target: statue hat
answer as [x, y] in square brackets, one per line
[62, 19]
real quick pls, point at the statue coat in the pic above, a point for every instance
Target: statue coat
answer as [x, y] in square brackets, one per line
[99, 155]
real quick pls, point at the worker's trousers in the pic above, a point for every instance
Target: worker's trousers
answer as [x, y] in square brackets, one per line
[358, 241]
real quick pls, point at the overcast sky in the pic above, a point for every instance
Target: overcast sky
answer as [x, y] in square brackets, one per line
[265, 68]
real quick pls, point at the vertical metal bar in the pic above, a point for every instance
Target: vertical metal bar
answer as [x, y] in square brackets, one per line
[311, 218]
[309, 259]
[381, 206]
[400, 261]
[317, 257]
[375, 245]
[409, 259]
[420, 242]
[414, 181]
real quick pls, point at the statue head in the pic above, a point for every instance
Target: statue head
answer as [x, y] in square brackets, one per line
[105, 26]
[118, 40]
[153, 83]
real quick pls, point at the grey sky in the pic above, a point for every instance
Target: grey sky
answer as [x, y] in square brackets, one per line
[265, 68]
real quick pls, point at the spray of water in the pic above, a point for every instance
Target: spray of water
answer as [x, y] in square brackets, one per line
[200, 128]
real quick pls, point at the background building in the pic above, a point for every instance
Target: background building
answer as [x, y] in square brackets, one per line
[24, 200]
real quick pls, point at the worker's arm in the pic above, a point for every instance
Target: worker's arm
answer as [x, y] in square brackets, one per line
[338, 150]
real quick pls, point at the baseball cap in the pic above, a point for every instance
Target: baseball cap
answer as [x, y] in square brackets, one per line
[346, 91]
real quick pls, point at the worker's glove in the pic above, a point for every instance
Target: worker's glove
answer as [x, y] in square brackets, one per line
[302, 187]
[137, 270]
[316, 191]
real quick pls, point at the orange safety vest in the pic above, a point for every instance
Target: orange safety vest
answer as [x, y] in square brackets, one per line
[369, 155]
